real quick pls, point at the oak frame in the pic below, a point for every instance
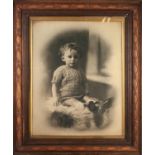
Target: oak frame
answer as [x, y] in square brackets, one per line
[23, 143]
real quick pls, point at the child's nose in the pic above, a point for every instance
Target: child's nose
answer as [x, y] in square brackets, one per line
[73, 59]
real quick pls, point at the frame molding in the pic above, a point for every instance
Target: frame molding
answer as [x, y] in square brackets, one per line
[23, 143]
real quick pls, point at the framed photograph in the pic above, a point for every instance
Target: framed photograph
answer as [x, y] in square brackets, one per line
[77, 77]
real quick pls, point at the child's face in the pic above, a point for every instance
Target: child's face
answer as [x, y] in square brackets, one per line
[71, 58]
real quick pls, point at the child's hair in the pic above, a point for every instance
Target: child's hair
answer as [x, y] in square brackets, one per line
[70, 46]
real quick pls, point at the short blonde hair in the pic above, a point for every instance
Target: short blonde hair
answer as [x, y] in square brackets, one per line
[71, 46]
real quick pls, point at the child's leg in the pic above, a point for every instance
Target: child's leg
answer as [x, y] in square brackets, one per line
[82, 116]
[98, 107]
[74, 103]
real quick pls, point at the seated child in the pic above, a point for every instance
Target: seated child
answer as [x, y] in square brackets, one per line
[69, 82]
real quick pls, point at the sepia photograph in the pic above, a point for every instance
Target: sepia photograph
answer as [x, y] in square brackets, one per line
[77, 83]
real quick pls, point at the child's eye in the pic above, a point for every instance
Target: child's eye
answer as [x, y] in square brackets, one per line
[69, 56]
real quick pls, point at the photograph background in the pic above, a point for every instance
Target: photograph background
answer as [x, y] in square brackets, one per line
[102, 59]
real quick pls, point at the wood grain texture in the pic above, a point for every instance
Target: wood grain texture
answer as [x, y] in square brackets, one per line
[23, 143]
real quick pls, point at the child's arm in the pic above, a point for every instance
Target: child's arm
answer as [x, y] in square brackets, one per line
[56, 84]
[55, 93]
[87, 99]
[86, 88]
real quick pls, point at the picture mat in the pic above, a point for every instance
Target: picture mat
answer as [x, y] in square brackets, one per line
[112, 32]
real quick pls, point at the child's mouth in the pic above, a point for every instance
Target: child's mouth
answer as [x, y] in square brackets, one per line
[72, 64]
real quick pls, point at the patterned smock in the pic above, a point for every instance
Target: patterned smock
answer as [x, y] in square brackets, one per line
[70, 81]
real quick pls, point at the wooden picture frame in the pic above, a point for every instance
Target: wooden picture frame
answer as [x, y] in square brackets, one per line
[24, 142]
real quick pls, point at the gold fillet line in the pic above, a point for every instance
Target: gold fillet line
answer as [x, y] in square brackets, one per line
[104, 19]
[31, 76]
[123, 72]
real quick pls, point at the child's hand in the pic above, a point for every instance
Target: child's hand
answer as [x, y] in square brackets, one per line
[88, 99]
[56, 101]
